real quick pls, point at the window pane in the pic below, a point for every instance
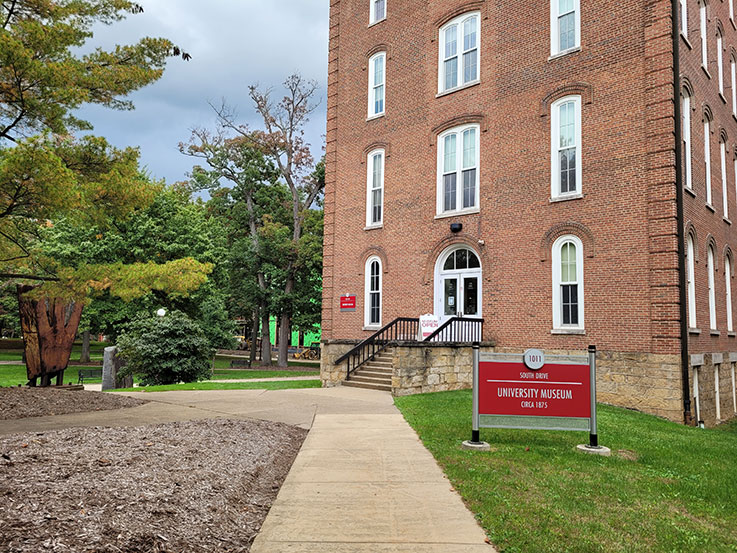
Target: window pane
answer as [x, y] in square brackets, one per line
[379, 7]
[450, 263]
[469, 188]
[568, 262]
[567, 31]
[375, 311]
[375, 276]
[470, 63]
[451, 41]
[376, 203]
[567, 125]
[451, 73]
[565, 6]
[469, 149]
[462, 259]
[473, 261]
[469, 34]
[470, 296]
[449, 151]
[568, 170]
[377, 171]
[378, 70]
[569, 304]
[449, 189]
[379, 99]
[451, 293]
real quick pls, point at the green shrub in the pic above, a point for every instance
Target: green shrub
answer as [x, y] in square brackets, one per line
[165, 350]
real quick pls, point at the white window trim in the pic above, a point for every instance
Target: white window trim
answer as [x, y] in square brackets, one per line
[554, 34]
[735, 176]
[723, 164]
[687, 138]
[728, 292]
[371, 86]
[712, 291]
[554, 144]
[557, 300]
[731, 10]
[691, 286]
[440, 273]
[684, 18]
[703, 33]
[733, 71]
[372, 12]
[720, 62]
[440, 200]
[367, 293]
[370, 187]
[707, 159]
[441, 53]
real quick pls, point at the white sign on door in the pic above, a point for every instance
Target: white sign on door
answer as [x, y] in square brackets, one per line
[428, 324]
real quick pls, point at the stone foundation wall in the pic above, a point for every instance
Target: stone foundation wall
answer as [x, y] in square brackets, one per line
[708, 366]
[330, 350]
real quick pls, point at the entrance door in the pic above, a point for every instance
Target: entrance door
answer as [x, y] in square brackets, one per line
[457, 285]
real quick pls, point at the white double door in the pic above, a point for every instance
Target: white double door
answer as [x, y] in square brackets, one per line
[458, 295]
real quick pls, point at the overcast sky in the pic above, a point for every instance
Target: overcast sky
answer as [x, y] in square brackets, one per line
[233, 43]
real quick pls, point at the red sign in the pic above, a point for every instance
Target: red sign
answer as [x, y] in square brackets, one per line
[348, 303]
[556, 390]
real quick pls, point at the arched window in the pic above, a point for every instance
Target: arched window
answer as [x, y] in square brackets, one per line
[458, 170]
[459, 52]
[375, 189]
[686, 117]
[458, 283]
[568, 283]
[723, 168]
[378, 11]
[702, 28]
[565, 26]
[728, 290]
[712, 291]
[707, 157]
[372, 303]
[566, 147]
[720, 61]
[691, 287]
[377, 85]
[684, 17]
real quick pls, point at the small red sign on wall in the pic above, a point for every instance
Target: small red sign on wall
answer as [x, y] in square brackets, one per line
[347, 303]
[556, 390]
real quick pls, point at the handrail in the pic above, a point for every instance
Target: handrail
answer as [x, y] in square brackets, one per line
[401, 328]
[458, 329]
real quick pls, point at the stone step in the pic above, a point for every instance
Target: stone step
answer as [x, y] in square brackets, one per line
[375, 371]
[381, 362]
[371, 379]
[366, 386]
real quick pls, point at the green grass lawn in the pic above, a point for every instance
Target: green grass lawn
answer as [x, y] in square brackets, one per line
[223, 362]
[211, 385]
[13, 375]
[666, 488]
[245, 374]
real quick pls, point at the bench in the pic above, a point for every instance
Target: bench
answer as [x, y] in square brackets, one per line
[240, 363]
[88, 374]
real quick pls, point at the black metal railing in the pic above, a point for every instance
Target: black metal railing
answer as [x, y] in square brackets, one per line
[401, 329]
[458, 329]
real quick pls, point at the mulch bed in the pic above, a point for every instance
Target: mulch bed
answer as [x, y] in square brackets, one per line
[203, 486]
[19, 403]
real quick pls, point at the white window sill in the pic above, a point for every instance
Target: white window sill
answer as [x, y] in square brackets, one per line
[690, 190]
[734, 116]
[726, 220]
[372, 328]
[574, 331]
[566, 197]
[457, 213]
[376, 22]
[377, 116]
[710, 208]
[374, 227]
[732, 334]
[721, 96]
[456, 89]
[693, 330]
[688, 42]
[705, 70]
[714, 332]
[556, 55]
[733, 23]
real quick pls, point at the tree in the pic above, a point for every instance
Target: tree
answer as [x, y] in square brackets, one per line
[282, 140]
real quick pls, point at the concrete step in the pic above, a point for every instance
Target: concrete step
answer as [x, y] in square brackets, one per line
[375, 371]
[371, 379]
[381, 363]
[366, 386]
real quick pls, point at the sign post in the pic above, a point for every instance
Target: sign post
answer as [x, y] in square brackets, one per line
[535, 391]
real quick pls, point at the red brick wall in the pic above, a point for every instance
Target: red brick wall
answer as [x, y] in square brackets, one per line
[628, 212]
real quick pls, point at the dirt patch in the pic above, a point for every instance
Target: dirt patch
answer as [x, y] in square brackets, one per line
[201, 486]
[20, 403]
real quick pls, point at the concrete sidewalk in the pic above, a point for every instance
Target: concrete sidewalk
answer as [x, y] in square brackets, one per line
[363, 483]
[98, 387]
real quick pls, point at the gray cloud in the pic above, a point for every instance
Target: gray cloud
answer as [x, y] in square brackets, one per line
[233, 43]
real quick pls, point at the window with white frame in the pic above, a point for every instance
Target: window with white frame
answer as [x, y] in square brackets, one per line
[377, 84]
[566, 147]
[684, 17]
[459, 52]
[372, 303]
[691, 286]
[733, 72]
[720, 61]
[712, 291]
[378, 11]
[375, 189]
[565, 26]
[458, 170]
[728, 291]
[686, 135]
[568, 283]
[723, 164]
[702, 28]
[731, 9]
[734, 162]
[707, 157]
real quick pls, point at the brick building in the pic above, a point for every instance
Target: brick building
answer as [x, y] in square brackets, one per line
[521, 163]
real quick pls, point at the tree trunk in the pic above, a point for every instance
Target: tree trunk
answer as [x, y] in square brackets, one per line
[254, 336]
[285, 338]
[49, 328]
[265, 338]
[85, 357]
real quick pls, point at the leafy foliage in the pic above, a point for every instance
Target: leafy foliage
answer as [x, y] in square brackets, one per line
[166, 350]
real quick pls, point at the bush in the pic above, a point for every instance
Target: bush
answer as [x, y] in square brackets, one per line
[166, 350]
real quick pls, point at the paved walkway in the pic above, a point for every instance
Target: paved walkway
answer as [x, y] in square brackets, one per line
[362, 482]
[98, 387]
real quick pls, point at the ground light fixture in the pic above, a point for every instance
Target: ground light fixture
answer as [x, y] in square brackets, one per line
[161, 312]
